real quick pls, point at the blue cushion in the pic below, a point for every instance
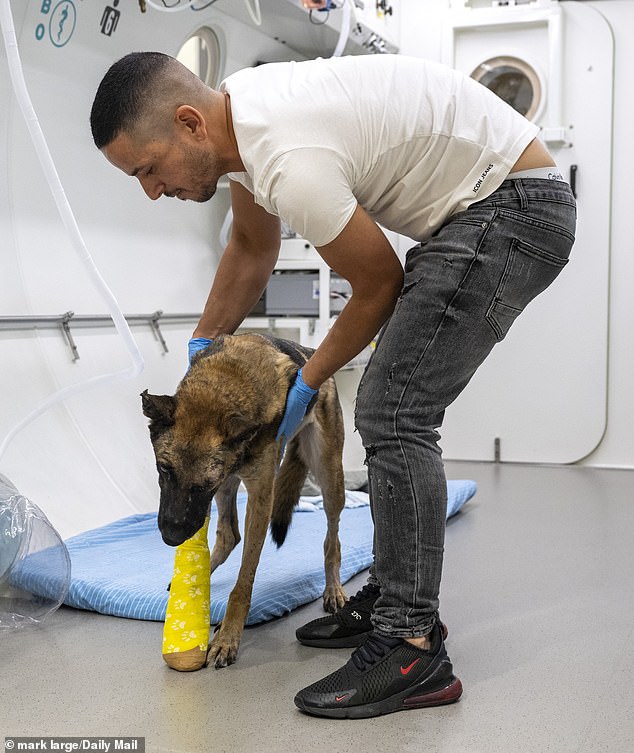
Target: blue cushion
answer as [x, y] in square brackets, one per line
[123, 568]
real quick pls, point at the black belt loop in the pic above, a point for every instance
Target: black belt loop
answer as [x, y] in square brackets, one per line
[521, 193]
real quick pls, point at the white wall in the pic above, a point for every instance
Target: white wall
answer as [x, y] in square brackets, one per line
[89, 461]
[422, 28]
[617, 447]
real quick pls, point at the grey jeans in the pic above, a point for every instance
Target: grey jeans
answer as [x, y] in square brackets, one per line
[463, 289]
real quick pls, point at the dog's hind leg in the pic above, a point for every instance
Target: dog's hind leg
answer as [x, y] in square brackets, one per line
[288, 486]
[227, 529]
[323, 452]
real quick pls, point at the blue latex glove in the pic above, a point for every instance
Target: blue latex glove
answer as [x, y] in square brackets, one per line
[299, 395]
[195, 345]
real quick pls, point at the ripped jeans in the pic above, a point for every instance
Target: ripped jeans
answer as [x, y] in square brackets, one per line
[463, 289]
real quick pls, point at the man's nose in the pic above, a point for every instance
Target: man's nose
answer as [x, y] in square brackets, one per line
[153, 187]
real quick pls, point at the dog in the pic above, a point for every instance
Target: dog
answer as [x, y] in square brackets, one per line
[219, 429]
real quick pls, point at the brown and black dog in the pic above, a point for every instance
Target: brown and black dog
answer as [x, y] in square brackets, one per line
[220, 428]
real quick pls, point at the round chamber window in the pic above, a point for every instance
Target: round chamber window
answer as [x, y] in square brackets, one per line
[203, 54]
[514, 81]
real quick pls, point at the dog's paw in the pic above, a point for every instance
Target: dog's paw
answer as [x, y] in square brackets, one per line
[224, 649]
[334, 598]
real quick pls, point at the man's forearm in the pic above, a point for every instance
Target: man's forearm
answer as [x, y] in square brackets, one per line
[237, 287]
[355, 327]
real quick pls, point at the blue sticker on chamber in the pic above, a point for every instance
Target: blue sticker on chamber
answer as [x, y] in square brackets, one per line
[62, 23]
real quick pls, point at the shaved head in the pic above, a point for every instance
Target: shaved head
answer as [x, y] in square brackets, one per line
[139, 96]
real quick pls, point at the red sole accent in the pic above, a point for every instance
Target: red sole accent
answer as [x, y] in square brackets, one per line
[449, 694]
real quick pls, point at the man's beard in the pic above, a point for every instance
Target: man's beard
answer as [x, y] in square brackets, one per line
[205, 173]
[206, 193]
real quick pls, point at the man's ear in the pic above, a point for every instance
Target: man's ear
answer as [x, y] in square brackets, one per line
[160, 410]
[192, 120]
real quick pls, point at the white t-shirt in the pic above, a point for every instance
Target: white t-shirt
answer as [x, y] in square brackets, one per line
[411, 141]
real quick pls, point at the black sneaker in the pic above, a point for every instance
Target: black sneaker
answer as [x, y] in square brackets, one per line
[384, 675]
[348, 627]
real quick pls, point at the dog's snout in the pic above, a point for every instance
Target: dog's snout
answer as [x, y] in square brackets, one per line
[173, 527]
[175, 531]
[172, 538]
[181, 517]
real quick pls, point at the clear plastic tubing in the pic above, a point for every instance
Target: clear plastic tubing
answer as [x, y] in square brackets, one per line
[170, 8]
[345, 29]
[63, 206]
[253, 6]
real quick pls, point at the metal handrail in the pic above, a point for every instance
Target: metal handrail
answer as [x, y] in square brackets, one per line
[64, 321]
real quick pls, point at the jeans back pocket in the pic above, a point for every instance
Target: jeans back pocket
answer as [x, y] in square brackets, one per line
[528, 271]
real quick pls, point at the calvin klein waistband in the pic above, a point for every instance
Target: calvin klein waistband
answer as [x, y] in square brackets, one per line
[548, 173]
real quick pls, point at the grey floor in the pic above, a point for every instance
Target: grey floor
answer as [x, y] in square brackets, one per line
[538, 596]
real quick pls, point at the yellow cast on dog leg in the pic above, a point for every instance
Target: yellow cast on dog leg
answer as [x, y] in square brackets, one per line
[186, 630]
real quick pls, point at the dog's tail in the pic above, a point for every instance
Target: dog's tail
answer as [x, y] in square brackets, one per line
[280, 523]
[287, 490]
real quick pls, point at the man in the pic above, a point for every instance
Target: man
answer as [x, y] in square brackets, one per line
[334, 147]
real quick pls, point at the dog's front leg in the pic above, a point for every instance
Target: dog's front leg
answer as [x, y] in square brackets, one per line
[224, 647]
[227, 529]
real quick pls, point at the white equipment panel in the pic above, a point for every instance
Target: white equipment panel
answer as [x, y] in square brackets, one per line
[541, 395]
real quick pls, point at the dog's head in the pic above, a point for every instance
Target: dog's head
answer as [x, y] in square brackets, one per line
[221, 416]
[192, 460]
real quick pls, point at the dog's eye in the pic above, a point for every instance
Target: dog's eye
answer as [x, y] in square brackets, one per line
[165, 470]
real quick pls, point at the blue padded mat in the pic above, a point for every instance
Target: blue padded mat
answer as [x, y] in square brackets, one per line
[123, 568]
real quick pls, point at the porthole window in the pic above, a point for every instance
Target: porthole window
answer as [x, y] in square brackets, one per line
[514, 81]
[202, 53]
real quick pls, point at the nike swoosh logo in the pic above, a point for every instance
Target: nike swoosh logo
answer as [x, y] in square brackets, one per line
[341, 697]
[406, 670]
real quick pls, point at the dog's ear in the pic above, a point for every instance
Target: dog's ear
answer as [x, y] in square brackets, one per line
[238, 425]
[160, 410]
